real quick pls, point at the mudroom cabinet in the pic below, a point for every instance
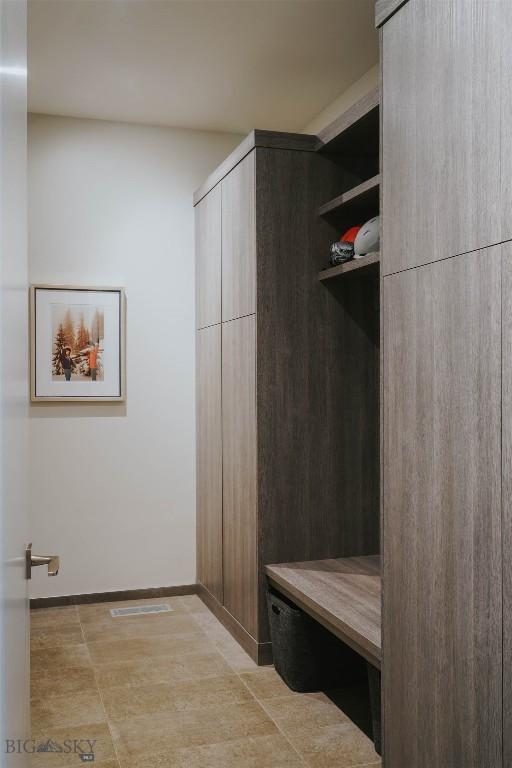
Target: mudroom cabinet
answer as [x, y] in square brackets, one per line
[209, 459]
[278, 403]
[442, 579]
[447, 384]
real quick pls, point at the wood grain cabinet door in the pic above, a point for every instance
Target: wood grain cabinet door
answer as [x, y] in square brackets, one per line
[239, 240]
[239, 461]
[208, 258]
[442, 578]
[507, 501]
[209, 460]
[441, 104]
[505, 99]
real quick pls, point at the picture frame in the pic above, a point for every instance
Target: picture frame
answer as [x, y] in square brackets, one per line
[77, 344]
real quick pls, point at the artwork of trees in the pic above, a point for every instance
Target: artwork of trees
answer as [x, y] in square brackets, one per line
[83, 337]
[97, 327]
[80, 335]
[58, 350]
[69, 329]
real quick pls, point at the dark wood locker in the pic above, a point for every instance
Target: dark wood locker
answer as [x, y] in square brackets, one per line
[209, 460]
[299, 360]
[240, 471]
[441, 132]
[208, 259]
[239, 240]
[506, 250]
[442, 547]
[502, 92]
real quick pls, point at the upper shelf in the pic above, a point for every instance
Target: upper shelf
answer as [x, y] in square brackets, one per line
[356, 131]
[362, 200]
[364, 266]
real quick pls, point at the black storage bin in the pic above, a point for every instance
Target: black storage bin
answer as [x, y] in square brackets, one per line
[374, 688]
[306, 655]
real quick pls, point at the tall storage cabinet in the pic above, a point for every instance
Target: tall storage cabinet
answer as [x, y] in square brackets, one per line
[209, 459]
[283, 350]
[448, 162]
[240, 471]
[442, 513]
[208, 259]
[239, 240]
[447, 417]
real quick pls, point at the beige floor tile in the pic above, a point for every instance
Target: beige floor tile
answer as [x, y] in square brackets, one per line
[194, 604]
[100, 612]
[56, 659]
[179, 692]
[271, 751]
[208, 620]
[191, 728]
[163, 669]
[122, 703]
[147, 648]
[63, 616]
[66, 711]
[234, 654]
[181, 624]
[303, 713]
[210, 624]
[239, 661]
[55, 636]
[371, 765]
[333, 746]
[49, 761]
[52, 682]
[265, 683]
[102, 748]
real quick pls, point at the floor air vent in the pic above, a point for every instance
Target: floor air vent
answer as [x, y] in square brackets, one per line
[136, 610]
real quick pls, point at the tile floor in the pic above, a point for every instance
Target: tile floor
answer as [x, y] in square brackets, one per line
[174, 690]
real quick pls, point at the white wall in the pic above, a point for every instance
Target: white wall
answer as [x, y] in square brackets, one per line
[357, 90]
[112, 487]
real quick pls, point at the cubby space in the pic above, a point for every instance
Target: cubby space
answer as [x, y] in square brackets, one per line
[352, 143]
[352, 140]
[358, 203]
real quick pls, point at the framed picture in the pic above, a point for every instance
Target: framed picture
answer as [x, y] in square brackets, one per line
[77, 343]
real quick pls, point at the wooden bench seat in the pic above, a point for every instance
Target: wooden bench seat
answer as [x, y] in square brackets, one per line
[344, 595]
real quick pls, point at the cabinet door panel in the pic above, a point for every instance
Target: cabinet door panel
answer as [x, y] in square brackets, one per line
[441, 130]
[442, 611]
[239, 240]
[239, 459]
[505, 101]
[208, 258]
[507, 502]
[209, 460]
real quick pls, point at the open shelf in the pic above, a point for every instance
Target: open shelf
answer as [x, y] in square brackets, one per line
[362, 200]
[355, 133]
[364, 266]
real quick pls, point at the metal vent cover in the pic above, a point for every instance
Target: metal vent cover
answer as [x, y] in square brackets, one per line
[137, 610]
